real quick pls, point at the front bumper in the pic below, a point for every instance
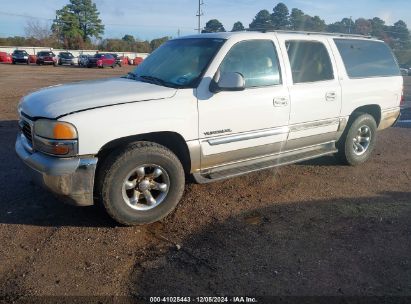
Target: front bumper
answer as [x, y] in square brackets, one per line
[20, 60]
[67, 61]
[70, 178]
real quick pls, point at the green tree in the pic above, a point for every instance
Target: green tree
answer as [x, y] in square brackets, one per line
[401, 35]
[315, 24]
[378, 28]
[280, 17]
[297, 19]
[213, 26]
[129, 39]
[262, 21]
[238, 27]
[76, 21]
[344, 26]
[336, 27]
[155, 43]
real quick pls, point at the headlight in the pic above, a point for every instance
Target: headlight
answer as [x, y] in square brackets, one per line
[55, 138]
[52, 129]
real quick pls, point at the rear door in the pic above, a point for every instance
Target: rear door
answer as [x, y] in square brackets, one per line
[235, 126]
[315, 91]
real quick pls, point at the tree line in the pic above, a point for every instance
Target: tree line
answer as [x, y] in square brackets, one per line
[78, 26]
[281, 18]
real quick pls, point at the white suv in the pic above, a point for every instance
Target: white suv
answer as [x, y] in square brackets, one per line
[212, 106]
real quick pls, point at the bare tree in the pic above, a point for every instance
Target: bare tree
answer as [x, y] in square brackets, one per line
[38, 30]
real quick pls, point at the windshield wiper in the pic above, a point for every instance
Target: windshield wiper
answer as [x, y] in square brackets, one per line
[156, 80]
[159, 81]
[130, 75]
[151, 79]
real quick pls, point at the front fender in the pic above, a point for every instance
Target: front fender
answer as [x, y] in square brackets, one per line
[97, 127]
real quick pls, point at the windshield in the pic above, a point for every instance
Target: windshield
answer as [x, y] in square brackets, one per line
[45, 54]
[20, 52]
[66, 55]
[178, 63]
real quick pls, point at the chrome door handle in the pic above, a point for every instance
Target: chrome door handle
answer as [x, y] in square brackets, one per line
[330, 96]
[280, 101]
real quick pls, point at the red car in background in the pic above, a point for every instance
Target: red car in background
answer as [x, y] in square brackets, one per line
[101, 61]
[5, 58]
[46, 57]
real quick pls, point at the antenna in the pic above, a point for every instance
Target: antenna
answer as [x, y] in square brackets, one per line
[199, 15]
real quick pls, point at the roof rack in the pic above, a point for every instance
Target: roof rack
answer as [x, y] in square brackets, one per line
[310, 33]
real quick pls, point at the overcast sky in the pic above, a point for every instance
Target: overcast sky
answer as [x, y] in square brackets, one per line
[150, 19]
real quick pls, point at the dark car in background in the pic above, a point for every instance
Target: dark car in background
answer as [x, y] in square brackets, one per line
[20, 56]
[46, 57]
[83, 60]
[101, 61]
[119, 60]
[66, 58]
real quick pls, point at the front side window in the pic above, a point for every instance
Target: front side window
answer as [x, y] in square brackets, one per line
[363, 58]
[256, 60]
[309, 60]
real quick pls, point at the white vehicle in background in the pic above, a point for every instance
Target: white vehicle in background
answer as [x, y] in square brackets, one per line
[404, 72]
[66, 58]
[213, 106]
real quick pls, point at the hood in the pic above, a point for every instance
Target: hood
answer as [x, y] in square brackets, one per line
[60, 100]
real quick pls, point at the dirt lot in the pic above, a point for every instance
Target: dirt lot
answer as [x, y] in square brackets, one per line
[310, 229]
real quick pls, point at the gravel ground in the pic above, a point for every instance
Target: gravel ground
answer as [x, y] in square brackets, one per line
[315, 228]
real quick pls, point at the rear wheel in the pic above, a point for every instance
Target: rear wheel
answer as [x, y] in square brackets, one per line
[141, 184]
[358, 141]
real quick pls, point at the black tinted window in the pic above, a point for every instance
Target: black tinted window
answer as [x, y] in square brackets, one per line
[256, 60]
[367, 58]
[309, 61]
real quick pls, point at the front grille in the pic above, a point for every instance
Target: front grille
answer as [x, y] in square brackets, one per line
[26, 129]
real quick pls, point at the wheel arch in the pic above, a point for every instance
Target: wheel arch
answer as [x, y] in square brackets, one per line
[373, 109]
[171, 140]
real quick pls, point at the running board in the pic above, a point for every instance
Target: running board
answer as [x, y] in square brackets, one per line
[245, 167]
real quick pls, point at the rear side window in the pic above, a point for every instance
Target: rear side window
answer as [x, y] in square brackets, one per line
[310, 61]
[363, 59]
[256, 60]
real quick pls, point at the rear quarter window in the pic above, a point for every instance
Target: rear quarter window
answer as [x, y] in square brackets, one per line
[365, 59]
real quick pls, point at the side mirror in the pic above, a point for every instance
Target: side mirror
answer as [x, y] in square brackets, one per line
[231, 81]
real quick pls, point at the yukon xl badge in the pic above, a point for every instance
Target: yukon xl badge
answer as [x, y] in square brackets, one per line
[217, 132]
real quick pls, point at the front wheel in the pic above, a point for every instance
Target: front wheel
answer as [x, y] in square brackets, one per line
[141, 184]
[358, 141]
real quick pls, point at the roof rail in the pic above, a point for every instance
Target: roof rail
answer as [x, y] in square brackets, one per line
[310, 33]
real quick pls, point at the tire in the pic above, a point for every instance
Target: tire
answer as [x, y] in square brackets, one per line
[115, 170]
[353, 151]
[113, 66]
[13, 62]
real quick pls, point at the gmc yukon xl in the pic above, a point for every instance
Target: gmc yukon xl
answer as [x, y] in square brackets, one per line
[211, 106]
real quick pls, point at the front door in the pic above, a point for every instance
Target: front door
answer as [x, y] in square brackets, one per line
[237, 126]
